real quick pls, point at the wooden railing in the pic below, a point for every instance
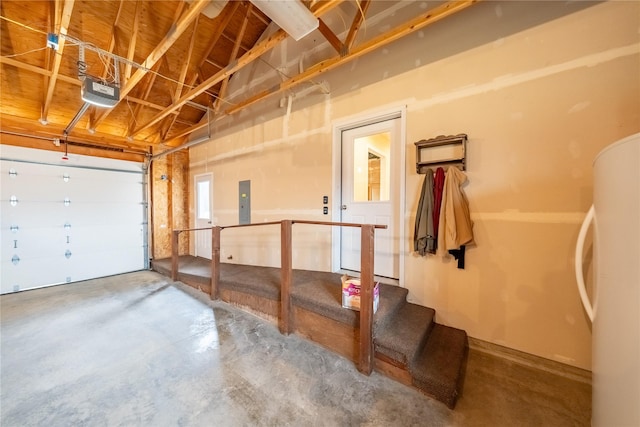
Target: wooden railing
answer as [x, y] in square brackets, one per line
[367, 248]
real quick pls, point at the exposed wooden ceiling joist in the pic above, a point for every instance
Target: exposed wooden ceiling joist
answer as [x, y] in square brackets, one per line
[70, 80]
[65, 9]
[331, 37]
[170, 38]
[180, 84]
[356, 24]
[248, 57]
[22, 126]
[132, 43]
[234, 54]
[259, 49]
[417, 23]
[186, 81]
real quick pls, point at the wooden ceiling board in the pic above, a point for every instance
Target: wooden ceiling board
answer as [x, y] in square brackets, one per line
[21, 90]
[190, 114]
[220, 55]
[156, 19]
[17, 40]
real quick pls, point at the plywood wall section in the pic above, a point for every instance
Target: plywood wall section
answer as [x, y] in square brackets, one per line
[539, 89]
[169, 202]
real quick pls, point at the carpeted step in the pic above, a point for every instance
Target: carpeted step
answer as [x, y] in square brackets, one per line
[439, 368]
[265, 281]
[260, 281]
[404, 336]
[324, 297]
[392, 298]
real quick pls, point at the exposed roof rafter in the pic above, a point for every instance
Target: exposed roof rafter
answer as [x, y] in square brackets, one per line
[64, 9]
[170, 38]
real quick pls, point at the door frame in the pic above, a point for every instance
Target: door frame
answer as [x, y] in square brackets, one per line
[363, 119]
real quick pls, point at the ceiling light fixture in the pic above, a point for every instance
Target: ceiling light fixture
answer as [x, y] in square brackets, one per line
[290, 15]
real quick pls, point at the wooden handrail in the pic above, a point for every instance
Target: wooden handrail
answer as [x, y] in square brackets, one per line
[192, 229]
[250, 225]
[341, 224]
[293, 221]
[367, 250]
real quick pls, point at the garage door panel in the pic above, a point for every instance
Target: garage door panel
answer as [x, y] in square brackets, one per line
[69, 221]
[96, 191]
[32, 187]
[85, 214]
[34, 242]
[90, 238]
[33, 272]
[118, 260]
[33, 214]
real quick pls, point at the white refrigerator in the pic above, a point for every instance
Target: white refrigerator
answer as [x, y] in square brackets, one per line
[614, 307]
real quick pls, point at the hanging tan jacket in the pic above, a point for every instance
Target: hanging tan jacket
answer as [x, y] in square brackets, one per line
[455, 228]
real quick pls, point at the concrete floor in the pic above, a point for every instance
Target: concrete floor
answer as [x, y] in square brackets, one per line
[137, 350]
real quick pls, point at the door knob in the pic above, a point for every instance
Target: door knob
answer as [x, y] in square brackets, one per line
[343, 207]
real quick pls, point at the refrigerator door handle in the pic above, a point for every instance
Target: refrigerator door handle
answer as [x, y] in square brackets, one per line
[578, 263]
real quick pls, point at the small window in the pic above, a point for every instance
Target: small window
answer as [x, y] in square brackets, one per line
[204, 203]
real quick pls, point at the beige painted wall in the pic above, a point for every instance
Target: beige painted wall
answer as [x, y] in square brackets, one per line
[538, 103]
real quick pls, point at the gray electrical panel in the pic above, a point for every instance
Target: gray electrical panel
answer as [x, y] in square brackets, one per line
[244, 193]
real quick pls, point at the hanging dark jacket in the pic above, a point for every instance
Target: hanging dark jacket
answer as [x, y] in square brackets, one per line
[424, 237]
[438, 185]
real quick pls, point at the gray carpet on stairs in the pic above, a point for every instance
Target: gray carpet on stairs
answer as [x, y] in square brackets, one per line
[405, 336]
[324, 297]
[439, 368]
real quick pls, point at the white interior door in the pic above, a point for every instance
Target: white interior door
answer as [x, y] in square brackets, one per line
[370, 194]
[204, 212]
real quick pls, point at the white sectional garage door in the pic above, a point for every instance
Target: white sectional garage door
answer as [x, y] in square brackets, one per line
[67, 221]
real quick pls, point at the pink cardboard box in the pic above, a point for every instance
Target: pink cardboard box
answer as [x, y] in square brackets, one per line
[351, 294]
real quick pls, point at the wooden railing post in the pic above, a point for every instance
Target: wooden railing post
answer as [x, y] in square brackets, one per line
[174, 254]
[365, 358]
[215, 261]
[286, 271]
